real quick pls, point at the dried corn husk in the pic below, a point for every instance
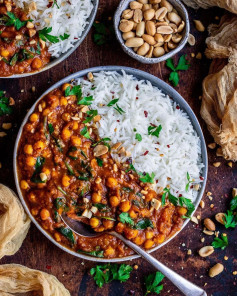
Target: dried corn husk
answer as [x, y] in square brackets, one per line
[14, 223]
[230, 5]
[16, 278]
[219, 103]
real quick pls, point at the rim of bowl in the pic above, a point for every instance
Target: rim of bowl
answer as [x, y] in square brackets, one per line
[182, 11]
[141, 75]
[65, 55]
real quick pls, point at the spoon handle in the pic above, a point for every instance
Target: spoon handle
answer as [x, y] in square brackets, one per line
[184, 285]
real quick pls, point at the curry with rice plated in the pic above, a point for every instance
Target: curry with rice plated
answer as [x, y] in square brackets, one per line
[64, 166]
[21, 49]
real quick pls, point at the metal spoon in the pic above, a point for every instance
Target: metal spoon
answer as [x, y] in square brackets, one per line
[181, 283]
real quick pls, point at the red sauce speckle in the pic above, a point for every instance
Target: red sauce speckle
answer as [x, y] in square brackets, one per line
[146, 113]
[146, 152]
[177, 107]
[137, 87]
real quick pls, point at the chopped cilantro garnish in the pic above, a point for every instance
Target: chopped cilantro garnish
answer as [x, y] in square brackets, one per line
[152, 283]
[84, 132]
[125, 218]
[99, 161]
[144, 223]
[67, 232]
[92, 114]
[97, 253]
[220, 242]
[73, 91]
[38, 168]
[230, 220]
[15, 21]
[44, 35]
[138, 137]
[117, 108]
[4, 104]
[146, 178]
[154, 130]
[85, 101]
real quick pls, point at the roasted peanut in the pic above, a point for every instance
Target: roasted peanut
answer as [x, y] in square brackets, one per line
[150, 28]
[149, 39]
[158, 52]
[134, 42]
[128, 35]
[216, 269]
[140, 30]
[143, 50]
[126, 26]
[209, 224]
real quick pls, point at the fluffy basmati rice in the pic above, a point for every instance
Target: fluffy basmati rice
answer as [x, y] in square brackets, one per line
[64, 17]
[170, 157]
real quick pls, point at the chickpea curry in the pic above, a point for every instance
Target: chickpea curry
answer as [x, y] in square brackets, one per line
[64, 166]
[21, 49]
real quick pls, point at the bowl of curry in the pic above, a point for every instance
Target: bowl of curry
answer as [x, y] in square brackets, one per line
[23, 50]
[59, 167]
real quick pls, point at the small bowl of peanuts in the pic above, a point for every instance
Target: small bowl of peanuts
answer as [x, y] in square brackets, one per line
[151, 31]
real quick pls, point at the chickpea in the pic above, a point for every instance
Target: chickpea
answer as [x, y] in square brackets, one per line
[96, 197]
[130, 233]
[30, 161]
[114, 201]
[44, 214]
[34, 212]
[24, 185]
[4, 53]
[108, 224]
[75, 125]
[46, 112]
[28, 149]
[65, 86]
[150, 195]
[133, 214]
[148, 244]
[32, 197]
[120, 227]
[182, 211]
[53, 101]
[34, 117]
[46, 171]
[112, 182]
[99, 229]
[160, 238]
[149, 234]
[66, 117]
[63, 101]
[76, 141]
[125, 206]
[36, 64]
[94, 222]
[43, 104]
[39, 145]
[139, 240]
[66, 134]
[110, 251]
[57, 237]
[65, 181]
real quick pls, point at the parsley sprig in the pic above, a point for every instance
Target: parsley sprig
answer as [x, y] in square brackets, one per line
[5, 108]
[152, 283]
[230, 218]
[106, 273]
[44, 35]
[220, 242]
[146, 178]
[15, 21]
[183, 65]
[154, 130]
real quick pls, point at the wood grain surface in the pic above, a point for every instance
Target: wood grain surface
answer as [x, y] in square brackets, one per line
[39, 253]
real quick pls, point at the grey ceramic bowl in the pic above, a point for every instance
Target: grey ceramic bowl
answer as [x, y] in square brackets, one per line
[62, 57]
[124, 4]
[141, 76]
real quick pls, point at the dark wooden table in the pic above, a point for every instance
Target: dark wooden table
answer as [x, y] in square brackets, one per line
[37, 252]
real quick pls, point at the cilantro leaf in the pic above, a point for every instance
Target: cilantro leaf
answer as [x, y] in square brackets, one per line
[189, 205]
[67, 232]
[138, 137]
[103, 33]
[64, 36]
[230, 220]
[233, 203]
[144, 223]
[154, 130]
[97, 253]
[130, 168]
[99, 161]
[4, 105]
[187, 185]
[113, 102]
[73, 91]
[174, 78]
[44, 35]
[125, 218]
[92, 114]
[55, 3]
[120, 110]
[85, 101]
[84, 132]
[173, 199]
[220, 242]
[51, 129]
[183, 65]
[152, 282]
[146, 178]
[105, 273]
[15, 21]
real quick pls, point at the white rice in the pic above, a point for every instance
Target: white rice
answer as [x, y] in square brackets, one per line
[179, 149]
[70, 18]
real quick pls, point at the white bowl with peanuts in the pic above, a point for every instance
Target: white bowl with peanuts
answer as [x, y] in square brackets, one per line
[151, 31]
